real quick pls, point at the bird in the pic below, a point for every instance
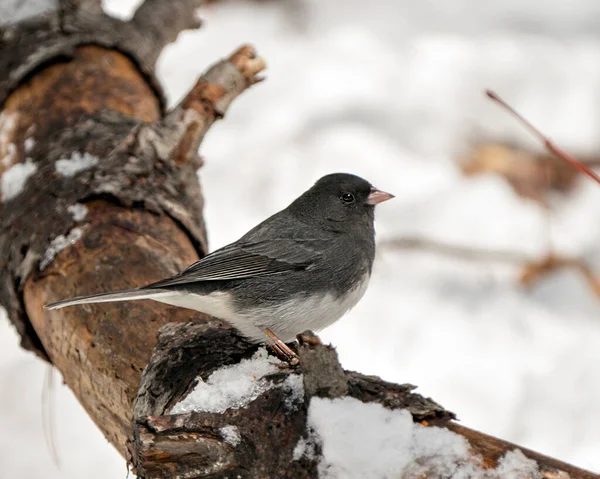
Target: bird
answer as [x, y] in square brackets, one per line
[300, 269]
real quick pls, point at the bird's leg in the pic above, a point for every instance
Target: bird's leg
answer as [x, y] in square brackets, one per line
[281, 349]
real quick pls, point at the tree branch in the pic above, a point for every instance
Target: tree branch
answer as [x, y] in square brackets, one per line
[142, 215]
[492, 449]
[269, 428]
[208, 100]
[55, 36]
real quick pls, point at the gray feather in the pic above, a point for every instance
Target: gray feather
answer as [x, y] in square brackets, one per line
[123, 295]
[291, 246]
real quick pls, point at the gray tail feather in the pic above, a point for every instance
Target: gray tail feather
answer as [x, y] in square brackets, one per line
[123, 295]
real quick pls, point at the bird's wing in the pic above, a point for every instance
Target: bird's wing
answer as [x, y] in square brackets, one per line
[245, 260]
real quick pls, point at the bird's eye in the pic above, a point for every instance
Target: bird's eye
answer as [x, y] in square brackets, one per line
[347, 198]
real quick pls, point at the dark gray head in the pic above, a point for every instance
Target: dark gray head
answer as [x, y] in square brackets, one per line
[339, 200]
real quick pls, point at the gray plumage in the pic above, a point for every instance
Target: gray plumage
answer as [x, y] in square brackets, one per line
[300, 269]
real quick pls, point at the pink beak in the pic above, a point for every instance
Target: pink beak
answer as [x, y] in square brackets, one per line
[376, 197]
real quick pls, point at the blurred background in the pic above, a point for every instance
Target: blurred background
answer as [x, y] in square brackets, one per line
[462, 302]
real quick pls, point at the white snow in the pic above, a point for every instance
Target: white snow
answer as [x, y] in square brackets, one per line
[8, 150]
[236, 386]
[78, 211]
[120, 9]
[394, 92]
[360, 440]
[14, 179]
[514, 465]
[29, 143]
[305, 448]
[58, 244]
[12, 11]
[231, 387]
[11, 154]
[231, 435]
[77, 163]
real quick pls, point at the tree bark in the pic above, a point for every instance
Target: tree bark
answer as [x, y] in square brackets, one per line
[144, 204]
[168, 445]
[77, 89]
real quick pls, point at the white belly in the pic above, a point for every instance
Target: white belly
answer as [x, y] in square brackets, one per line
[296, 316]
[286, 320]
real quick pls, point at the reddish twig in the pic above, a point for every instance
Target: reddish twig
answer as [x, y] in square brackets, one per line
[550, 146]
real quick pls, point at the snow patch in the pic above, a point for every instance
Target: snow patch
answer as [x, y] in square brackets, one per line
[231, 435]
[120, 9]
[29, 143]
[11, 154]
[58, 244]
[78, 211]
[231, 387]
[77, 163]
[14, 179]
[514, 465]
[360, 440]
[305, 448]
[8, 150]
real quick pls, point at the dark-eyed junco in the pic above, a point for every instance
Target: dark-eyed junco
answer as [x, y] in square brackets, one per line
[301, 269]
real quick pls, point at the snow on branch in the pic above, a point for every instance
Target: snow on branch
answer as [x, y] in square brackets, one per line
[210, 404]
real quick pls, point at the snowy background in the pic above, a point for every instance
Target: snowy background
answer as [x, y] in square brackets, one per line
[392, 91]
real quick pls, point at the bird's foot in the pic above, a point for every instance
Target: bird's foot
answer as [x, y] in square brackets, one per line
[282, 350]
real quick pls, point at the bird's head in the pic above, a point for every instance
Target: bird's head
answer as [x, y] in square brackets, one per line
[338, 199]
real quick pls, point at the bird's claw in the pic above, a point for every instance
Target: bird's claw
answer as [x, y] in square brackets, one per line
[282, 350]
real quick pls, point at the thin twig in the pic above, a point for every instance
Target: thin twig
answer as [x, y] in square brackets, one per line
[550, 146]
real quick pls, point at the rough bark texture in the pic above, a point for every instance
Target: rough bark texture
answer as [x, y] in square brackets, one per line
[75, 83]
[55, 36]
[144, 218]
[191, 445]
[91, 99]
